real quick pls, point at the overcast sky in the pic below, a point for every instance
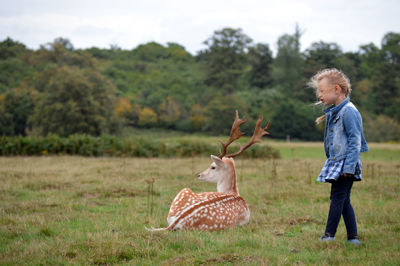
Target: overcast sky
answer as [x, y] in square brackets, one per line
[127, 24]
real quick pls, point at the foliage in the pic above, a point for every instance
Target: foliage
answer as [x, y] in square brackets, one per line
[381, 128]
[123, 107]
[169, 111]
[147, 117]
[221, 113]
[225, 59]
[74, 100]
[288, 64]
[197, 117]
[106, 145]
[260, 59]
[15, 108]
[289, 120]
[15, 64]
[63, 90]
[10, 48]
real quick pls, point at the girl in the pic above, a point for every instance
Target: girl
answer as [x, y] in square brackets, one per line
[343, 142]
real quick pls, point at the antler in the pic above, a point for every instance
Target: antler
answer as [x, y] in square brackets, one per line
[258, 134]
[235, 134]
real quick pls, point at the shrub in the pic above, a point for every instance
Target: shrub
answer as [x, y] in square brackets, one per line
[107, 145]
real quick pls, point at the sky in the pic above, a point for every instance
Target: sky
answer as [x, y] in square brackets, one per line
[129, 23]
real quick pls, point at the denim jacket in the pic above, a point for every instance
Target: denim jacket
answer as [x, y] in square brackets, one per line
[344, 137]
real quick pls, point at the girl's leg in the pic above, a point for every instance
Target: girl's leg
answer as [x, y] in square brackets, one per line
[349, 216]
[339, 192]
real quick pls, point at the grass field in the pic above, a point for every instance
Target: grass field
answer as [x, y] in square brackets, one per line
[81, 210]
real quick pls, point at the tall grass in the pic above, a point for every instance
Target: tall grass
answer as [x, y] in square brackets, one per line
[86, 210]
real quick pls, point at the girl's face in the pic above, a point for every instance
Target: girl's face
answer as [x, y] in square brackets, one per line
[329, 94]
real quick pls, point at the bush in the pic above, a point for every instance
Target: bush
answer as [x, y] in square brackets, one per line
[381, 128]
[106, 145]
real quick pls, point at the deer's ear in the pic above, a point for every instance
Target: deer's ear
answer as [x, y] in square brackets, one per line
[218, 161]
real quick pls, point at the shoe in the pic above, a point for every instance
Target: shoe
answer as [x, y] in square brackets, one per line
[327, 238]
[354, 241]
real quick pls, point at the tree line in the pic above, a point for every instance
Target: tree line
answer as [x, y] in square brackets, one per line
[60, 90]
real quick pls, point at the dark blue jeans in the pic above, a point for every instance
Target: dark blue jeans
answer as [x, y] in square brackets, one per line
[340, 205]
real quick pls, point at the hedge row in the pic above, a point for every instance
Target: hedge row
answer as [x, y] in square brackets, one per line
[113, 146]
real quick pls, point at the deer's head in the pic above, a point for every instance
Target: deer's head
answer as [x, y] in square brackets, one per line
[222, 169]
[217, 171]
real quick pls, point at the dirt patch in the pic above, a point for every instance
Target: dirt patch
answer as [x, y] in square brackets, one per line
[87, 195]
[47, 186]
[228, 259]
[114, 193]
[125, 192]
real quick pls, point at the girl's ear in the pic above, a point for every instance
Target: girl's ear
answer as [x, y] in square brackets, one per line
[338, 89]
[218, 161]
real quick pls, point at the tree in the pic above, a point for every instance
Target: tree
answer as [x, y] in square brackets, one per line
[261, 102]
[13, 72]
[370, 57]
[197, 116]
[147, 117]
[169, 112]
[165, 86]
[220, 113]
[288, 65]
[10, 48]
[125, 111]
[177, 52]
[225, 59]
[15, 107]
[74, 101]
[151, 51]
[322, 55]
[294, 119]
[385, 93]
[59, 42]
[15, 64]
[61, 52]
[391, 48]
[260, 59]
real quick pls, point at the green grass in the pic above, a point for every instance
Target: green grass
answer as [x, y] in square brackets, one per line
[291, 150]
[315, 150]
[82, 210]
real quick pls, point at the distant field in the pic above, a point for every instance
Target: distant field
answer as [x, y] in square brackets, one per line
[288, 150]
[83, 210]
[315, 150]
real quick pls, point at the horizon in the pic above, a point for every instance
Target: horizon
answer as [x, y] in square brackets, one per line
[128, 24]
[116, 45]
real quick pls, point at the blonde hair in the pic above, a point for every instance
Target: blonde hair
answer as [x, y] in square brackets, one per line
[334, 77]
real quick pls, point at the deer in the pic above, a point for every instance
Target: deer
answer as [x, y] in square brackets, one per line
[211, 211]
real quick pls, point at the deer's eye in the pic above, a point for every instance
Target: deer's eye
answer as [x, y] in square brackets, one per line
[213, 167]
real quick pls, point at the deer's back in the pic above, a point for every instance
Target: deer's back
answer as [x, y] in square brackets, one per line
[206, 211]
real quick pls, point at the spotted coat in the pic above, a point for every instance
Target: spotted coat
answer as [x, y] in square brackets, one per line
[207, 211]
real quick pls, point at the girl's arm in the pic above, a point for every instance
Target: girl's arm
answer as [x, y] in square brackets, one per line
[353, 128]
